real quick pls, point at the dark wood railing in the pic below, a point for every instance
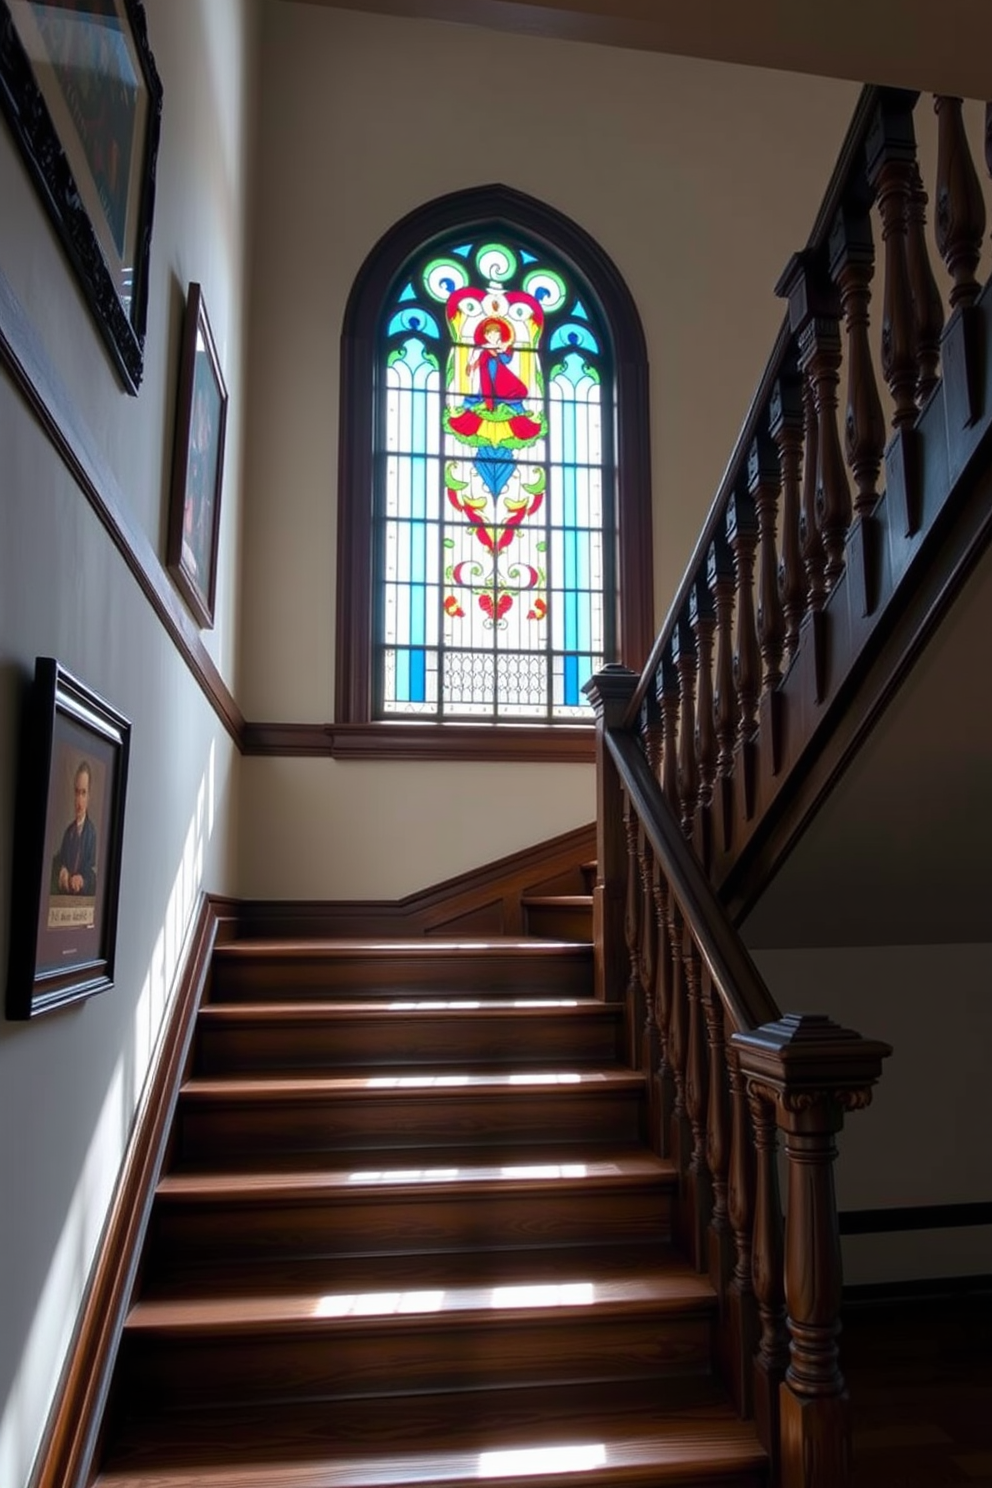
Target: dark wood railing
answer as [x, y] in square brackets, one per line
[804, 562]
[795, 587]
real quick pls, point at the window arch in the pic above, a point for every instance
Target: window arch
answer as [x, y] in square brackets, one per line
[494, 519]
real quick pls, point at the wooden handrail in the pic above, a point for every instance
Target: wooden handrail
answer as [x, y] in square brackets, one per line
[735, 976]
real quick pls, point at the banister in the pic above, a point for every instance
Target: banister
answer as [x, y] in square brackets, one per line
[734, 974]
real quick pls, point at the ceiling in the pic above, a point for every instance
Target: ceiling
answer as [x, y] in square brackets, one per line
[945, 48]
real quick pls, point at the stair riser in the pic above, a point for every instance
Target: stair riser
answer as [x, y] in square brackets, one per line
[218, 1130]
[548, 1041]
[185, 1236]
[271, 978]
[558, 922]
[334, 1363]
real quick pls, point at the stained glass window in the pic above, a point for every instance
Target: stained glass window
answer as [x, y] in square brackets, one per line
[494, 487]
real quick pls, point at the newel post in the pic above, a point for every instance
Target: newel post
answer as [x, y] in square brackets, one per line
[810, 1071]
[610, 692]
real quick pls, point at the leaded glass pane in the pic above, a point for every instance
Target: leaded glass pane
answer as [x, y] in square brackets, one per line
[494, 487]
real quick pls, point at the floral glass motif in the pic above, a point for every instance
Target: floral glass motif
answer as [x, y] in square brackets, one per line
[494, 489]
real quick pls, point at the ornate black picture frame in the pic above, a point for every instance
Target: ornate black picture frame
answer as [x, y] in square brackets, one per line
[197, 464]
[68, 837]
[80, 91]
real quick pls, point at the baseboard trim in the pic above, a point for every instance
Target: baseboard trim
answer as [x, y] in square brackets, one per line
[485, 900]
[66, 1453]
[914, 1217]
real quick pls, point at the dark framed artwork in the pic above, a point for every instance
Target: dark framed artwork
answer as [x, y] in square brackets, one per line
[82, 96]
[67, 844]
[197, 464]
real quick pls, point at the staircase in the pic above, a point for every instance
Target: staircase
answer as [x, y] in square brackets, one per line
[410, 1231]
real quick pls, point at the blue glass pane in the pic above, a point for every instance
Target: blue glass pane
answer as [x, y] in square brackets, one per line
[527, 257]
[579, 310]
[417, 320]
[418, 671]
[409, 293]
[572, 694]
[464, 250]
[574, 335]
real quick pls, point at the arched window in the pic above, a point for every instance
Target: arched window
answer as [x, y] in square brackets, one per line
[494, 503]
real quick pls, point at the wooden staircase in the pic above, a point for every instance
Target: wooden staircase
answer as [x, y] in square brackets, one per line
[410, 1231]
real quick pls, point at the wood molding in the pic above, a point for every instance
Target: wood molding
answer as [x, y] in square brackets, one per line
[67, 1447]
[485, 900]
[36, 379]
[914, 1217]
[565, 744]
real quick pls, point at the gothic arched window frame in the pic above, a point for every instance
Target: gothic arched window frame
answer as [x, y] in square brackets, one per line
[357, 732]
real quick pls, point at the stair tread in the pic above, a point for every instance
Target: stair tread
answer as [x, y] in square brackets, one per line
[669, 1431]
[416, 1081]
[573, 901]
[393, 1170]
[489, 1008]
[424, 948]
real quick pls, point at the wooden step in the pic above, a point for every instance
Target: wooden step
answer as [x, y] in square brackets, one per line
[384, 1332]
[270, 969]
[675, 1432]
[559, 916]
[452, 1201]
[229, 1117]
[256, 1037]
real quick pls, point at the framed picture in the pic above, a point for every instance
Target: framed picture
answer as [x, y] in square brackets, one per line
[197, 464]
[80, 91]
[67, 845]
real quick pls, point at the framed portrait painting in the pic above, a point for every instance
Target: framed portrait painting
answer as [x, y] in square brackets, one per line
[83, 99]
[67, 844]
[198, 464]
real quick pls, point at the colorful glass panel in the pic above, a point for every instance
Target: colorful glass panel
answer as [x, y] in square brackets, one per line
[494, 488]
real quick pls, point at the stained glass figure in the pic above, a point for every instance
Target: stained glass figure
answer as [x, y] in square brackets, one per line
[494, 499]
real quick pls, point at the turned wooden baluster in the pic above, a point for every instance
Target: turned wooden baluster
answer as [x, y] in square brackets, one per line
[988, 138]
[926, 295]
[820, 357]
[718, 1134]
[810, 541]
[699, 1199]
[742, 535]
[684, 656]
[960, 211]
[852, 264]
[632, 928]
[786, 425]
[767, 1272]
[891, 156]
[720, 576]
[702, 618]
[811, 1071]
[610, 692]
[663, 1011]
[668, 697]
[740, 1209]
[763, 477]
[652, 732]
[677, 1036]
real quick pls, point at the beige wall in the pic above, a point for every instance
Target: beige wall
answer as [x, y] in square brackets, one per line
[70, 1081]
[699, 179]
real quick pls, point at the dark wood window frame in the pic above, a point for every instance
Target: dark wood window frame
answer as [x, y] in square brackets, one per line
[356, 733]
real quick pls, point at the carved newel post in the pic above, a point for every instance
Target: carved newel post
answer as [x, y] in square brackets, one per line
[610, 692]
[810, 1070]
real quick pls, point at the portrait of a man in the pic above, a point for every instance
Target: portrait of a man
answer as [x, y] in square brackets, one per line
[74, 866]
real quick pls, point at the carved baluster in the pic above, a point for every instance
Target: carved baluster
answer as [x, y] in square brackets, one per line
[786, 425]
[763, 485]
[684, 656]
[852, 264]
[610, 691]
[767, 1271]
[926, 295]
[891, 152]
[649, 1051]
[742, 535]
[699, 1199]
[820, 355]
[632, 927]
[740, 1208]
[702, 618]
[811, 542]
[668, 698]
[652, 732]
[717, 1135]
[663, 1009]
[988, 138]
[677, 1021]
[960, 211]
[720, 576]
[812, 1071]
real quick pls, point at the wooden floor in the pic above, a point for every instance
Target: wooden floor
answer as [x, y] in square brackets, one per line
[920, 1378]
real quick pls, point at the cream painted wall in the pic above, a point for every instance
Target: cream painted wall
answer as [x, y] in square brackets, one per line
[924, 1138]
[699, 179]
[70, 1081]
